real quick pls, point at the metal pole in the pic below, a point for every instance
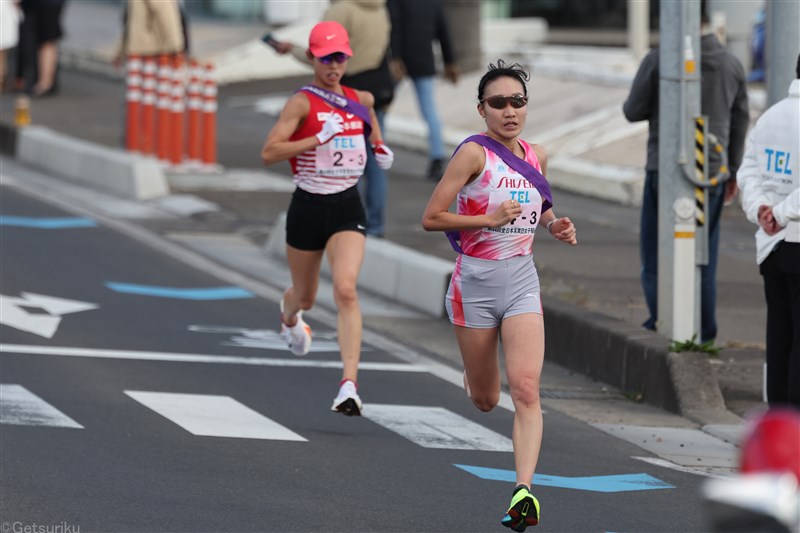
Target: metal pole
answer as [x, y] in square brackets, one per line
[638, 28]
[679, 104]
[783, 45]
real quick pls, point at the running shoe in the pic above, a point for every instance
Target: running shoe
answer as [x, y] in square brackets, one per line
[523, 511]
[347, 401]
[298, 337]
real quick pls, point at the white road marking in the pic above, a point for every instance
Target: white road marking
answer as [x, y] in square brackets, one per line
[14, 312]
[200, 358]
[213, 416]
[436, 427]
[20, 407]
[688, 470]
[683, 446]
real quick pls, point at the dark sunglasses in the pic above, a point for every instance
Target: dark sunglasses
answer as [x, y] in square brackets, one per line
[339, 57]
[500, 102]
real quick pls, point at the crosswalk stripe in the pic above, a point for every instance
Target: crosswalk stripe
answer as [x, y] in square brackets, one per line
[68, 351]
[213, 416]
[20, 407]
[437, 427]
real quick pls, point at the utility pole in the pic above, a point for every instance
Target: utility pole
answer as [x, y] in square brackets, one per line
[679, 105]
[638, 28]
[783, 45]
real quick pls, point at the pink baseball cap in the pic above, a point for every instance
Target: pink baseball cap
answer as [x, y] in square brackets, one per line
[327, 38]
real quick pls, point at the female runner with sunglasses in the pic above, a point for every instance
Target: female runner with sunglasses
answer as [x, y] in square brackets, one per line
[494, 290]
[323, 136]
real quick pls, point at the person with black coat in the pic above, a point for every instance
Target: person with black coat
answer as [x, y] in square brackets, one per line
[415, 27]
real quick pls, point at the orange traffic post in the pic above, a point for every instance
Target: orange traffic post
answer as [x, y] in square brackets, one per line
[133, 98]
[148, 106]
[164, 104]
[195, 103]
[177, 109]
[209, 156]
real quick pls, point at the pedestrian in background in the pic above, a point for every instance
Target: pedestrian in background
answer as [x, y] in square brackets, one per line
[151, 28]
[497, 182]
[769, 179]
[367, 24]
[323, 130]
[40, 32]
[415, 27]
[724, 101]
[9, 34]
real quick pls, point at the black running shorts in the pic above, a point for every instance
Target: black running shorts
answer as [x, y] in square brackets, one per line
[313, 218]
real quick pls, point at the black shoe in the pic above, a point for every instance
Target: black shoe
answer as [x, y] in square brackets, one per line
[48, 93]
[436, 169]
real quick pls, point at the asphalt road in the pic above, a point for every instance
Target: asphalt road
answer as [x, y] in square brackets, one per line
[156, 397]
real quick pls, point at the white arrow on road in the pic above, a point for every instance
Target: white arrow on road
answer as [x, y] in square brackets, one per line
[14, 312]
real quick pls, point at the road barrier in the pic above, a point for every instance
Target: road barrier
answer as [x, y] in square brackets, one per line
[171, 111]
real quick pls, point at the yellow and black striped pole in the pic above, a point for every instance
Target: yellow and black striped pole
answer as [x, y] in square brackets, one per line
[700, 195]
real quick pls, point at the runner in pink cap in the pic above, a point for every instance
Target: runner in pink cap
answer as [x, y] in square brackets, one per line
[327, 38]
[325, 130]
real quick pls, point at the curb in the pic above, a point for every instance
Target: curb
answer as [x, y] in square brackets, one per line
[636, 361]
[114, 171]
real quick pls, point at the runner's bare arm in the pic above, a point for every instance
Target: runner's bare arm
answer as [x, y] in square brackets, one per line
[462, 169]
[277, 146]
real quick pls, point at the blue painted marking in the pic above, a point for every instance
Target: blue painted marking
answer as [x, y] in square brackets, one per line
[47, 223]
[619, 483]
[216, 293]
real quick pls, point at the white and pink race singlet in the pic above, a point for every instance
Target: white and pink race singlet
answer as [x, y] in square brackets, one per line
[496, 183]
[338, 164]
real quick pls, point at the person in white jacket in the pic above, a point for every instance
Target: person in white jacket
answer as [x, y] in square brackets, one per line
[769, 179]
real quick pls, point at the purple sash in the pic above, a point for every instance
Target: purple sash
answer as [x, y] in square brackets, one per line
[344, 103]
[525, 169]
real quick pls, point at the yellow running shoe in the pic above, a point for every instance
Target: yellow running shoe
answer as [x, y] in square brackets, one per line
[523, 511]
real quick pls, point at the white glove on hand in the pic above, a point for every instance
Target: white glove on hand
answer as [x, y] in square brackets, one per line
[383, 156]
[331, 126]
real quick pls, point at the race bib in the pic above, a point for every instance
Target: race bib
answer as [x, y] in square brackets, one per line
[529, 199]
[343, 155]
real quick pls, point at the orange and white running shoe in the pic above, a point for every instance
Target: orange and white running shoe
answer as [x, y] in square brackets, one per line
[298, 337]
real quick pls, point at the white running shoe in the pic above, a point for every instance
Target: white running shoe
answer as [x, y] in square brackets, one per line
[298, 337]
[347, 401]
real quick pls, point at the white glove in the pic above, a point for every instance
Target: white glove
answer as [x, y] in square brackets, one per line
[383, 156]
[331, 126]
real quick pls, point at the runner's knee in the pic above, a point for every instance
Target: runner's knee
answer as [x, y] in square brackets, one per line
[485, 402]
[345, 294]
[524, 391]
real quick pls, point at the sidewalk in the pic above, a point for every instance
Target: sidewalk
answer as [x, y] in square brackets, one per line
[575, 112]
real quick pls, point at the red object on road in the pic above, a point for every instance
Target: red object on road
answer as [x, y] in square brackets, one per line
[772, 443]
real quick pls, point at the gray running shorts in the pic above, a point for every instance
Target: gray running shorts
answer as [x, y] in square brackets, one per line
[483, 292]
